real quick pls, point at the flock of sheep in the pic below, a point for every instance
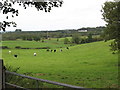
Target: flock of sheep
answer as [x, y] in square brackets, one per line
[34, 54]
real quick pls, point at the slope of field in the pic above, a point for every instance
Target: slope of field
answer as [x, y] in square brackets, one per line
[88, 65]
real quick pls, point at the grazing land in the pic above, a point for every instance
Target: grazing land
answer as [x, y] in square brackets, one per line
[52, 43]
[90, 65]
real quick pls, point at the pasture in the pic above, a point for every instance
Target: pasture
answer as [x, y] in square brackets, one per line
[52, 43]
[88, 65]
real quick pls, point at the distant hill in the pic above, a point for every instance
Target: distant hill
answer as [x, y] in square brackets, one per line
[19, 34]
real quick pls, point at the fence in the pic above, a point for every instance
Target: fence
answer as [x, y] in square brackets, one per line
[2, 74]
[15, 80]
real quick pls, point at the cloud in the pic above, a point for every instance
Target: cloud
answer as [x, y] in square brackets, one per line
[73, 14]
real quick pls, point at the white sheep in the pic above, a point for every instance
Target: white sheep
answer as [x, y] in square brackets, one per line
[9, 52]
[34, 54]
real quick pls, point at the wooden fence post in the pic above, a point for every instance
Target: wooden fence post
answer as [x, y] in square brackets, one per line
[2, 75]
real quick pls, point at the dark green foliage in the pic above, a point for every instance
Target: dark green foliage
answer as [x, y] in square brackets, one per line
[18, 47]
[89, 39]
[113, 46]
[4, 47]
[52, 34]
[66, 41]
[83, 41]
[57, 39]
[18, 30]
[76, 39]
[36, 38]
[111, 14]
[29, 38]
[24, 38]
[42, 40]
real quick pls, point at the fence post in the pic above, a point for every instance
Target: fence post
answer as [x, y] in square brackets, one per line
[2, 75]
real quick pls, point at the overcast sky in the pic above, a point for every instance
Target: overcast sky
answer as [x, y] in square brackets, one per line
[74, 14]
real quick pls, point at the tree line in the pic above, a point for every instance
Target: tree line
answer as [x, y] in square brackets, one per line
[76, 39]
[40, 35]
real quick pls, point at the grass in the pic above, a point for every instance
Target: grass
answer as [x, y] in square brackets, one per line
[88, 65]
[53, 43]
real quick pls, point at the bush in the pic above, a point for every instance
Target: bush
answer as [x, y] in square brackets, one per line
[25, 48]
[66, 41]
[76, 39]
[45, 47]
[114, 46]
[90, 39]
[4, 47]
[42, 40]
[83, 41]
[57, 39]
[18, 47]
[36, 38]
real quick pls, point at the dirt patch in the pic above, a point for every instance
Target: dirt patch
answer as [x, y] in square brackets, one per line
[55, 43]
[40, 74]
[113, 86]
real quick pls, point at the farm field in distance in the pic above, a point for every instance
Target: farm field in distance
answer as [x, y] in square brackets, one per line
[90, 65]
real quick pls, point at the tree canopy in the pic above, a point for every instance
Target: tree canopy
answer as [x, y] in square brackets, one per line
[111, 14]
[6, 6]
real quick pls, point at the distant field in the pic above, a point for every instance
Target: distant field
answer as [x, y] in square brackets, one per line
[88, 65]
[53, 43]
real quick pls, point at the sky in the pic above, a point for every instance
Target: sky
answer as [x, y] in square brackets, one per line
[72, 15]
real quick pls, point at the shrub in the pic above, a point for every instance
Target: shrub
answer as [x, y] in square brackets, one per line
[18, 47]
[90, 39]
[42, 40]
[4, 47]
[66, 41]
[76, 39]
[36, 38]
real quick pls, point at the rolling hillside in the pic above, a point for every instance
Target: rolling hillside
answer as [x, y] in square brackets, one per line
[88, 65]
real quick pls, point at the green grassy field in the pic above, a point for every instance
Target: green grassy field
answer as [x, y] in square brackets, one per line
[88, 65]
[53, 43]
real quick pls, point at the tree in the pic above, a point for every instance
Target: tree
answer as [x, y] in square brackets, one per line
[111, 14]
[89, 39]
[18, 30]
[113, 46]
[7, 6]
[36, 38]
[29, 38]
[66, 41]
[76, 39]
[57, 39]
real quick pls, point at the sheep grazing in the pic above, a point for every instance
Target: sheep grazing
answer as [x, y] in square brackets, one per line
[9, 52]
[60, 50]
[67, 48]
[55, 50]
[51, 50]
[47, 49]
[34, 54]
[15, 55]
